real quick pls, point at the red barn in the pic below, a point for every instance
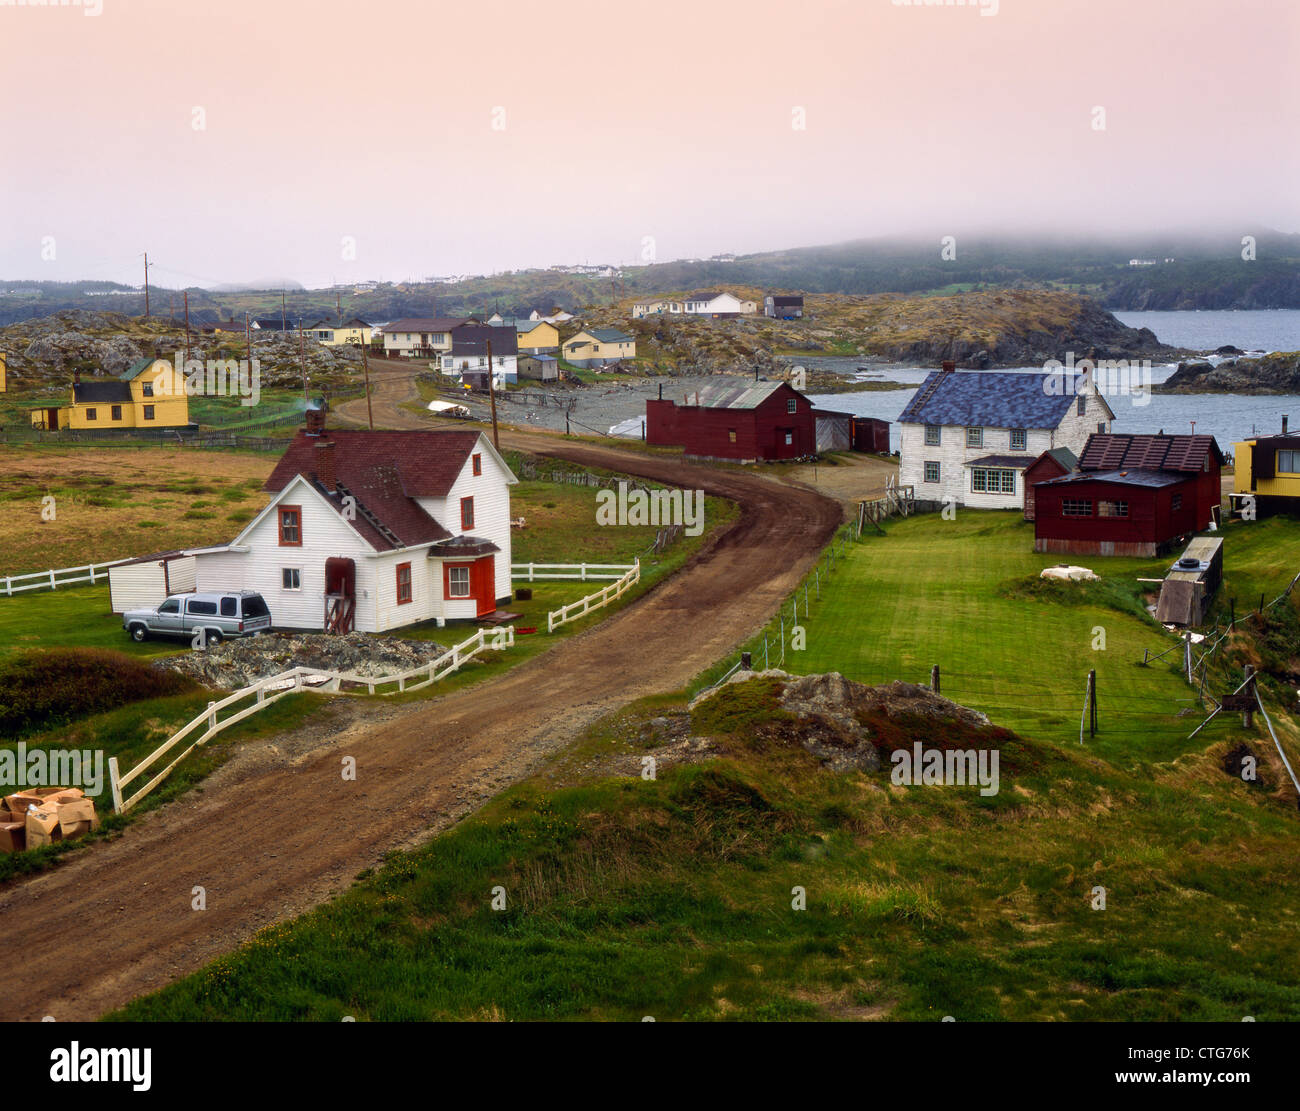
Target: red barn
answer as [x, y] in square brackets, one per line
[1132, 495]
[747, 421]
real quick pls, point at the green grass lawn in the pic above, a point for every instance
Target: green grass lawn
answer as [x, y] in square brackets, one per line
[965, 595]
[75, 617]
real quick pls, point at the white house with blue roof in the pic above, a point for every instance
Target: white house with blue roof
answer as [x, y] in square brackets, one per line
[969, 435]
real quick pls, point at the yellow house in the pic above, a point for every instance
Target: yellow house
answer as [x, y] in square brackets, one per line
[148, 395]
[537, 335]
[598, 347]
[1267, 470]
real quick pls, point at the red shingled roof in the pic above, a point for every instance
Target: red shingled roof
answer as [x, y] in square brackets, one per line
[385, 472]
[1107, 451]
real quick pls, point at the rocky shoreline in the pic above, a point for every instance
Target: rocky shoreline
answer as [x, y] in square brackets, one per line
[1277, 373]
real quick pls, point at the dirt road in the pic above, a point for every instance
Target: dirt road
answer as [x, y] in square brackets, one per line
[277, 829]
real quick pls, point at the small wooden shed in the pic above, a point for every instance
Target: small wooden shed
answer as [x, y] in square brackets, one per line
[871, 434]
[144, 582]
[834, 430]
[1191, 584]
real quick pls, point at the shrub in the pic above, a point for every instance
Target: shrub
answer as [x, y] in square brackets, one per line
[50, 687]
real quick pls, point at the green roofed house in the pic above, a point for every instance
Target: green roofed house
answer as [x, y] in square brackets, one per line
[599, 347]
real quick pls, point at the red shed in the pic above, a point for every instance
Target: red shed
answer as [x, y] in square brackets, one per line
[1053, 463]
[745, 421]
[1197, 456]
[871, 434]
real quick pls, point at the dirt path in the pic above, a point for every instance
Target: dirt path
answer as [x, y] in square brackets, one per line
[277, 830]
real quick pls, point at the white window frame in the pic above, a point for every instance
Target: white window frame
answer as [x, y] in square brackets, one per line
[296, 572]
[453, 581]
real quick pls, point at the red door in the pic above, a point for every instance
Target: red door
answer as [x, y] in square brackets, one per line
[482, 585]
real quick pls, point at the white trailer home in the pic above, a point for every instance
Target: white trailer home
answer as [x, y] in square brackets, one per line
[144, 583]
[375, 530]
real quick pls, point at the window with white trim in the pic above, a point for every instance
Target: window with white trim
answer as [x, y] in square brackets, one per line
[1076, 507]
[291, 578]
[992, 480]
[458, 582]
[1112, 509]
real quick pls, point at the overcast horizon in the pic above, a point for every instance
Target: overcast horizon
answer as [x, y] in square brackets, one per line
[246, 143]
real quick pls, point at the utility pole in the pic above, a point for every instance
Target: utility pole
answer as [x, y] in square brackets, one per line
[248, 339]
[284, 322]
[492, 396]
[338, 304]
[365, 369]
[146, 285]
[302, 354]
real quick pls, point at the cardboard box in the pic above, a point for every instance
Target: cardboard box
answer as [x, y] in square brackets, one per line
[69, 830]
[75, 810]
[68, 794]
[18, 803]
[13, 837]
[42, 828]
[46, 792]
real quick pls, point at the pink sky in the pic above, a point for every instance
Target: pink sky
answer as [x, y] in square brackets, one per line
[670, 121]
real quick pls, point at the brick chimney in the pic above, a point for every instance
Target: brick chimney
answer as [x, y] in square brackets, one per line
[323, 464]
[314, 419]
[949, 365]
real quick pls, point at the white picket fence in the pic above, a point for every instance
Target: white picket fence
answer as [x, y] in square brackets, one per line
[274, 687]
[530, 572]
[49, 580]
[583, 606]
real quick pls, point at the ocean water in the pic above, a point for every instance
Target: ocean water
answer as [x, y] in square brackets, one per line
[1229, 418]
[1249, 329]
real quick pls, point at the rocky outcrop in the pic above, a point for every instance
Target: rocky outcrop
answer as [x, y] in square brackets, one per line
[831, 713]
[236, 663]
[46, 350]
[1278, 373]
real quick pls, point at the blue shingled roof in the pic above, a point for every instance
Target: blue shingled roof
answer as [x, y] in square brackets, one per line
[993, 399]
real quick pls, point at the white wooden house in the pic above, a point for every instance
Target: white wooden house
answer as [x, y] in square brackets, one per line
[969, 435]
[374, 531]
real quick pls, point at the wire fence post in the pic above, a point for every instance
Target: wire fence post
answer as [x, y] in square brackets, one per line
[818, 580]
[934, 678]
[1248, 716]
[1092, 702]
[1187, 655]
[765, 664]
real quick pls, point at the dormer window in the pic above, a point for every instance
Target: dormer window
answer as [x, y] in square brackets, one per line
[147, 389]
